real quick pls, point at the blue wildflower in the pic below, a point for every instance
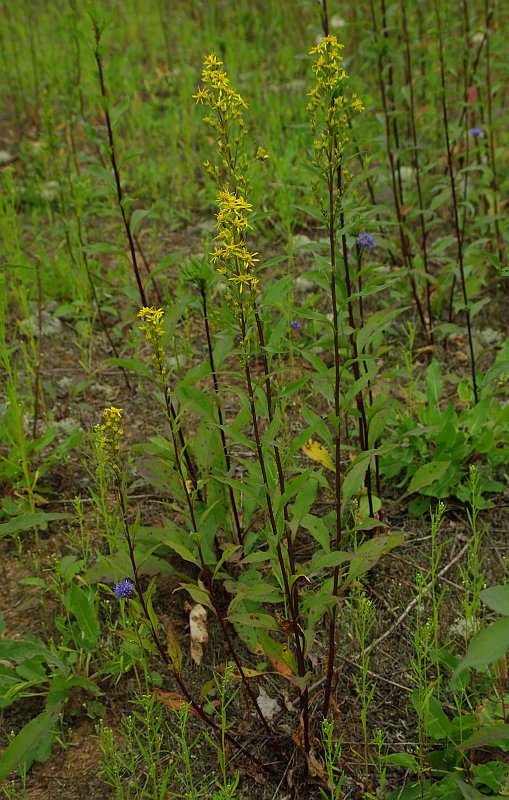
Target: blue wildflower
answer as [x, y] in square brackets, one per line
[124, 589]
[366, 241]
[475, 132]
[295, 324]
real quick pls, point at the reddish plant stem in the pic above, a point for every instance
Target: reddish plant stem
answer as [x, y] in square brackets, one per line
[417, 168]
[390, 97]
[488, 13]
[325, 17]
[139, 591]
[289, 593]
[226, 453]
[155, 635]
[466, 85]
[276, 449]
[209, 578]
[459, 243]
[114, 164]
[147, 270]
[463, 117]
[359, 397]
[337, 432]
[407, 260]
[370, 390]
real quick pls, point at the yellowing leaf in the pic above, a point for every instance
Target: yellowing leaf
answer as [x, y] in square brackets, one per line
[248, 673]
[317, 452]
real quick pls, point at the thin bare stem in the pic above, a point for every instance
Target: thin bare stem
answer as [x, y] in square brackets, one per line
[37, 370]
[488, 13]
[113, 161]
[417, 168]
[337, 431]
[395, 184]
[459, 242]
[84, 259]
[148, 270]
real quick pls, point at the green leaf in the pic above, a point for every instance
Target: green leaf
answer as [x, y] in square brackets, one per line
[329, 560]
[82, 606]
[23, 749]
[60, 687]
[485, 736]
[403, 760]
[137, 218]
[18, 651]
[488, 646]
[469, 792]
[427, 475]
[198, 400]
[434, 384]
[117, 111]
[493, 774]
[495, 372]
[354, 479]
[370, 553]
[131, 365]
[437, 723]
[103, 174]
[25, 522]
[254, 620]
[440, 199]
[104, 248]
[223, 346]
[198, 595]
[497, 598]
[318, 530]
[176, 545]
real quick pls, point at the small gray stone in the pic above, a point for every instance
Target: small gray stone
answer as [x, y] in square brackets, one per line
[50, 326]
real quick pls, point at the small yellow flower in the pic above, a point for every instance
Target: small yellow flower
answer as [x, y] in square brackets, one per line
[243, 279]
[212, 61]
[112, 412]
[201, 96]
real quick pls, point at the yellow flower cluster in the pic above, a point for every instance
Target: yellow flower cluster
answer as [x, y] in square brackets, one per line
[330, 106]
[217, 93]
[152, 319]
[235, 260]
[111, 433]
[225, 118]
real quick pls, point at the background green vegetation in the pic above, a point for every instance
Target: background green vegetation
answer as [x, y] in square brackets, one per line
[427, 354]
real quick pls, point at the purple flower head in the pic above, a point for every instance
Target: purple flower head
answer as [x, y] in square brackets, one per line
[475, 132]
[124, 589]
[295, 324]
[366, 241]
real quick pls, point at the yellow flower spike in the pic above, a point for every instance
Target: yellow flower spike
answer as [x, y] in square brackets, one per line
[152, 319]
[331, 106]
[111, 434]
